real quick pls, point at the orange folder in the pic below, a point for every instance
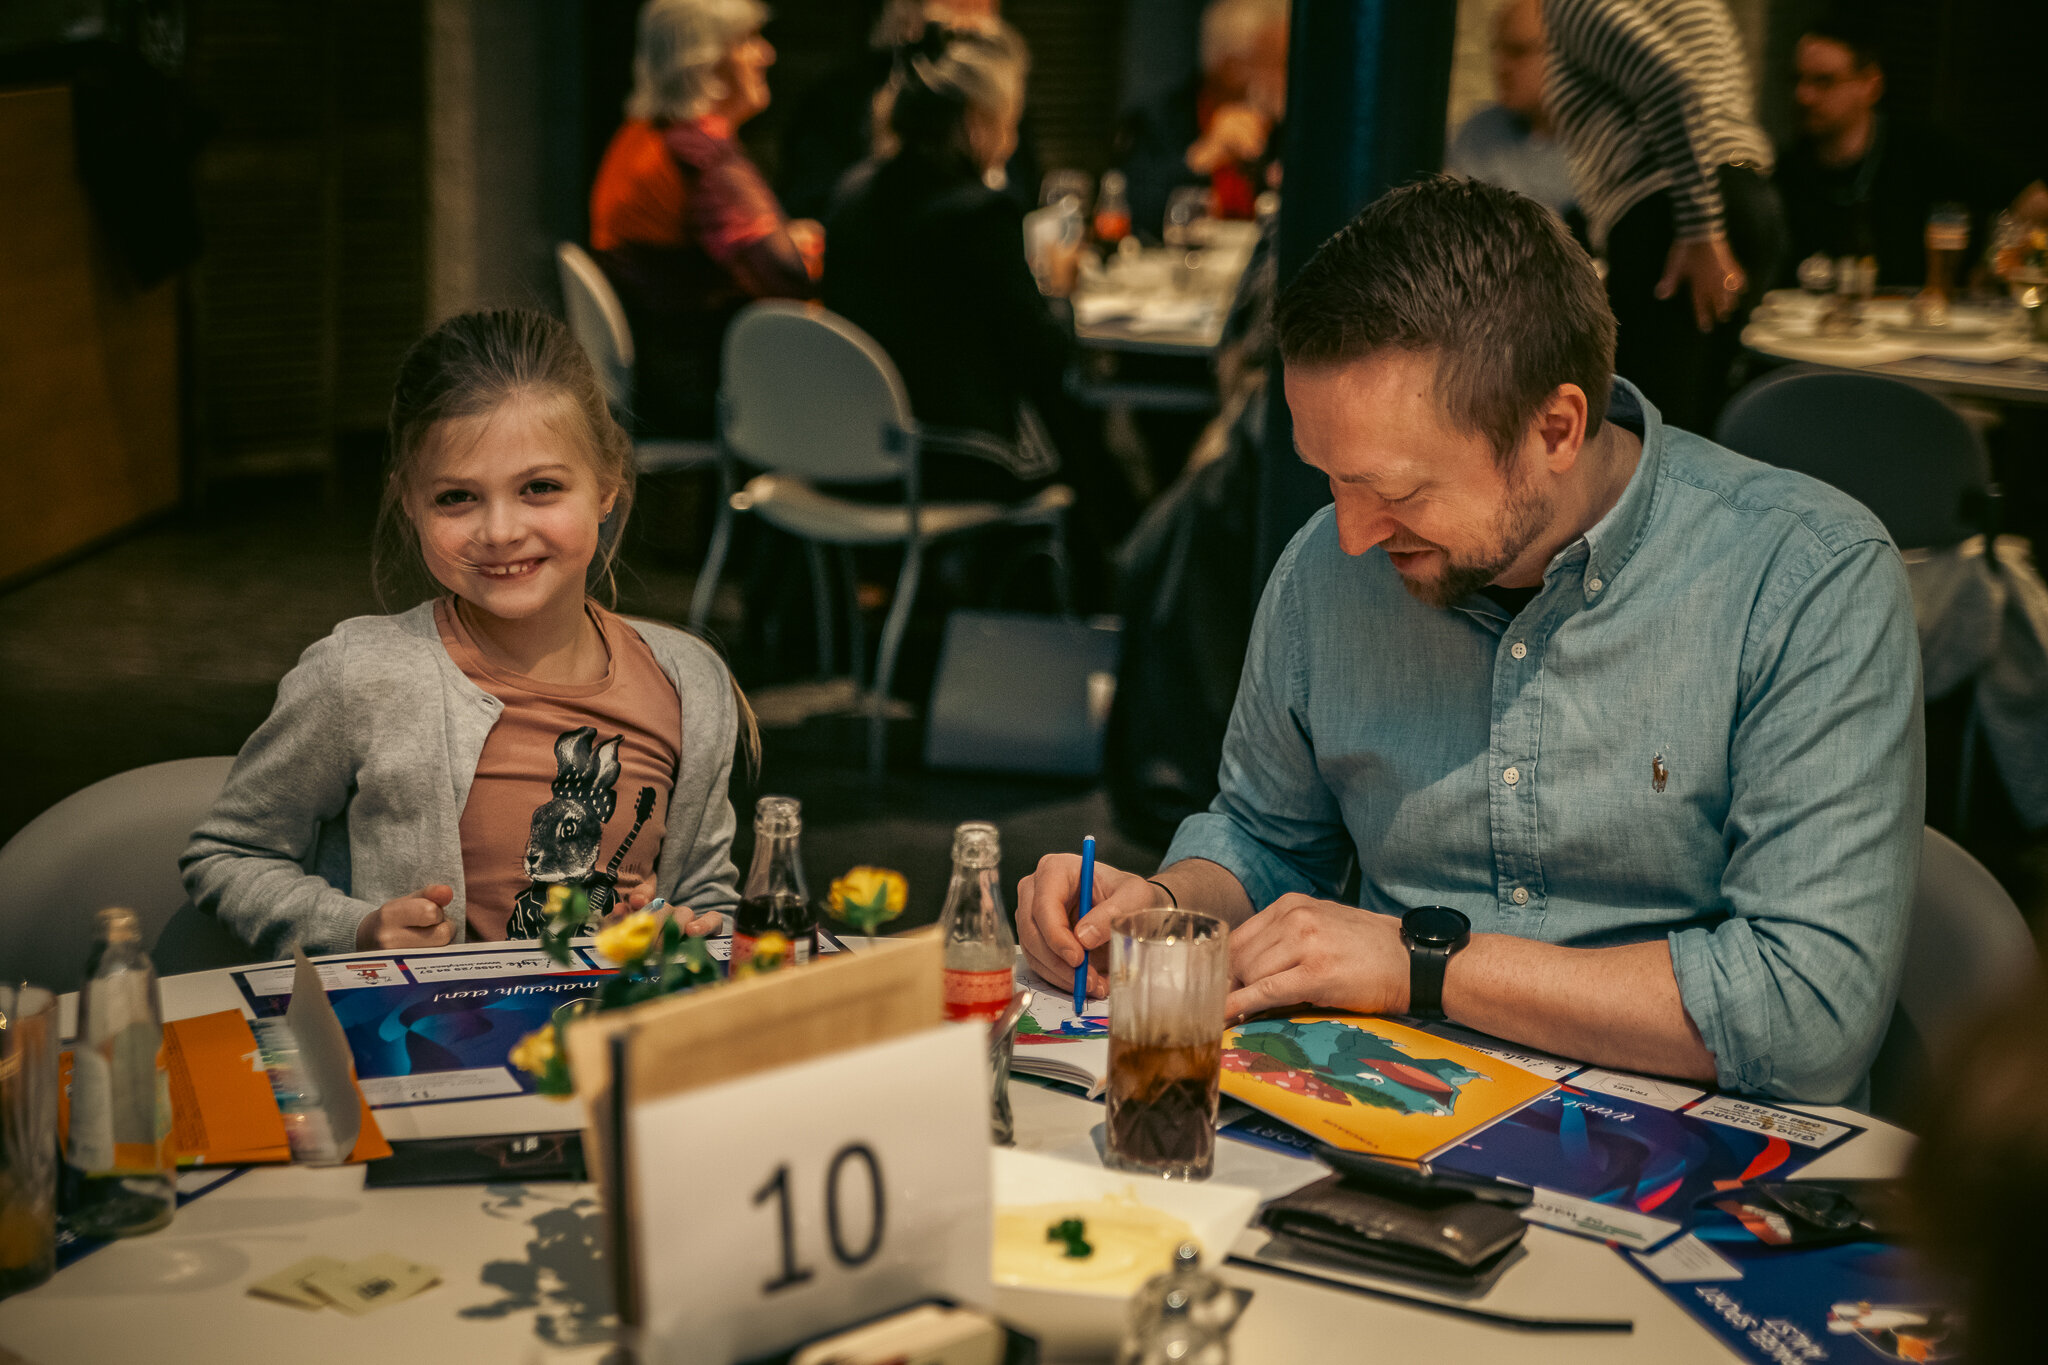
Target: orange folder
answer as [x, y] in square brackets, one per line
[222, 1109]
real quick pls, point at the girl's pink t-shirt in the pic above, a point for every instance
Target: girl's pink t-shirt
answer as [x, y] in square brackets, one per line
[574, 781]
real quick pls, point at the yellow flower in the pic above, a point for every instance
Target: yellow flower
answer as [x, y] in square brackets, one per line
[628, 940]
[869, 895]
[535, 1051]
[771, 951]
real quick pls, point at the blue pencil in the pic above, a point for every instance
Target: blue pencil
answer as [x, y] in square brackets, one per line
[1081, 913]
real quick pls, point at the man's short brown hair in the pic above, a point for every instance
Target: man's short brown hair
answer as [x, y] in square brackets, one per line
[1486, 279]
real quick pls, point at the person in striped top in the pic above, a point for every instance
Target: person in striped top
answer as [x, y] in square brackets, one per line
[1652, 101]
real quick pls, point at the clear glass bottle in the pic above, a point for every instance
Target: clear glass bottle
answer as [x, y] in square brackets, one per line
[121, 1164]
[776, 898]
[981, 953]
[1182, 1317]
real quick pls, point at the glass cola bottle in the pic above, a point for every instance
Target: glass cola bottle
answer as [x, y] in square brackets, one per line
[776, 899]
[981, 952]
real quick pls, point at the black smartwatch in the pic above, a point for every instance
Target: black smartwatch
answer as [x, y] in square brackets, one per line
[1432, 933]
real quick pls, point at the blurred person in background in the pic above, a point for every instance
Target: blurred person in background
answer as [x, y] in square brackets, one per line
[1978, 1180]
[829, 133]
[1220, 127]
[929, 260]
[1652, 102]
[1509, 142]
[1860, 181]
[682, 223]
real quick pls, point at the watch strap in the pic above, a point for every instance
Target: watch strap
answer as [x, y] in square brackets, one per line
[1426, 981]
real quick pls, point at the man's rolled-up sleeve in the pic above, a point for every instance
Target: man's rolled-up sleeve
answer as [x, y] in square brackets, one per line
[1793, 990]
[1274, 823]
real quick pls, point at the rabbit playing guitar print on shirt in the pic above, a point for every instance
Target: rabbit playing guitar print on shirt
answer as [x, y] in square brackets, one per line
[563, 845]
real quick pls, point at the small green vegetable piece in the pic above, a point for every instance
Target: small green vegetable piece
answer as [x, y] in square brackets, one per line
[1072, 1231]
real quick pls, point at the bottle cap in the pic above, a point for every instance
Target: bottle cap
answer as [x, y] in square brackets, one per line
[120, 926]
[976, 844]
[778, 817]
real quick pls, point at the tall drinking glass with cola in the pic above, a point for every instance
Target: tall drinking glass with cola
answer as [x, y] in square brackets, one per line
[1169, 971]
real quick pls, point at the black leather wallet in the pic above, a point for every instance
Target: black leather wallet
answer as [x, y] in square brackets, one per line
[1450, 1239]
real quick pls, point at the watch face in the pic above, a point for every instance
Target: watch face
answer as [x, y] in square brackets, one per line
[1435, 926]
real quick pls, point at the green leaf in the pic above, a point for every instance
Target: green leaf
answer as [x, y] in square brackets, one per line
[1072, 1231]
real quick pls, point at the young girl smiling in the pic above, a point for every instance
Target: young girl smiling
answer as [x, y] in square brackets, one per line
[429, 776]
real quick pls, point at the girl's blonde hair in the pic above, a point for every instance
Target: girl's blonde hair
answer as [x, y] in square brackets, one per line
[676, 58]
[471, 366]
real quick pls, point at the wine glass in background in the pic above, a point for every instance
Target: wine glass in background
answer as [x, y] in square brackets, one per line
[1817, 274]
[1187, 209]
[1062, 187]
[1187, 216]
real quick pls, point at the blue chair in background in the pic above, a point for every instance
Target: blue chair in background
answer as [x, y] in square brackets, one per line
[1903, 453]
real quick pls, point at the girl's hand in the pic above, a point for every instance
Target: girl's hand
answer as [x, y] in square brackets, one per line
[634, 893]
[710, 922]
[416, 921]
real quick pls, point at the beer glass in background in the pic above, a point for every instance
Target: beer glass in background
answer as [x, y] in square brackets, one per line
[1948, 237]
[28, 1137]
[1169, 971]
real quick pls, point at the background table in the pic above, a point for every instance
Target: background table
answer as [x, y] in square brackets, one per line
[2004, 366]
[521, 1282]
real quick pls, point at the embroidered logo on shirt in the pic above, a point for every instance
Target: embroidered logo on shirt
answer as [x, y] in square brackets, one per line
[1659, 774]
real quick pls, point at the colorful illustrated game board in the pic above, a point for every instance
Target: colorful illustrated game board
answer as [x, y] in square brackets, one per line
[1368, 1085]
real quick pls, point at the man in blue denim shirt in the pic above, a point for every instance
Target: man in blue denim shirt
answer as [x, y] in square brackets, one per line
[1645, 712]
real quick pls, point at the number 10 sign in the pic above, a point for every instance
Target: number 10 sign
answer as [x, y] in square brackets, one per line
[785, 1204]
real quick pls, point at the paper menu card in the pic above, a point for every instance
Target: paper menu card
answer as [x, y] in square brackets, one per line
[1369, 1085]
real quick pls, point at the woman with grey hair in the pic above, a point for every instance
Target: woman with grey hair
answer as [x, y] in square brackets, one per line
[683, 224]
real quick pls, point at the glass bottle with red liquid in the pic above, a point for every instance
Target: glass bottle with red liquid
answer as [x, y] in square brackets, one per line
[1112, 210]
[981, 953]
[776, 899]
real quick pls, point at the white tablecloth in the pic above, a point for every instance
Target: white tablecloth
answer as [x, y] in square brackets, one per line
[521, 1282]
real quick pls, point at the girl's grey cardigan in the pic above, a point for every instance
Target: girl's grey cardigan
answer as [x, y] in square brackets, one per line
[351, 793]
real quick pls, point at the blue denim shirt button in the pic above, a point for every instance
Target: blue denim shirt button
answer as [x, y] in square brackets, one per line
[1511, 776]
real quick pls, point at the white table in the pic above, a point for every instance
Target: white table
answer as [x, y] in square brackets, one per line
[177, 1296]
[2003, 365]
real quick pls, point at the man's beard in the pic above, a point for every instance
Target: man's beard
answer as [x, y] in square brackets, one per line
[1522, 518]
